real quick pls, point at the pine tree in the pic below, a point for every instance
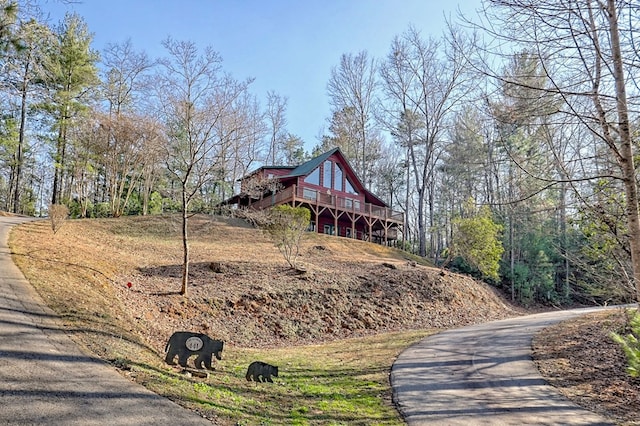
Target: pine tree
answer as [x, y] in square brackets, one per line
[71, 73]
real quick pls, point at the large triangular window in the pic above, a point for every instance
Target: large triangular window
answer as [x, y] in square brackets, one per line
[338, 183]
[314, 177]
[349, 187]
[326, 174]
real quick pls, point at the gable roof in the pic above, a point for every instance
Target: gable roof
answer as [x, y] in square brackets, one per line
[306, 168]
[261, 168]
[372, 198]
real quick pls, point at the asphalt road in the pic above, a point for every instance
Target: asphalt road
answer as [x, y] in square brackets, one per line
[46, 380]
[483, 375]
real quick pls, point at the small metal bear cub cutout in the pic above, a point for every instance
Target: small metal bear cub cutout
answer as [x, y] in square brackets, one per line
[186, 343]
[259, 371]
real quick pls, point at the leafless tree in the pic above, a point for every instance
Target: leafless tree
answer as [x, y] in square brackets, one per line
[124, 76]
[351, 90]
[194, 98]
[424, 82]
[588, 52]
[241, 135]
[127, 147]
[58, 214]
[125, 131]
[277, 124]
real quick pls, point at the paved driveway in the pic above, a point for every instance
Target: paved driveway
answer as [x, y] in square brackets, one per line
[483, 375]
[46, 380]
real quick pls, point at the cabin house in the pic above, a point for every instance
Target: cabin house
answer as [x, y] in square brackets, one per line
[330, 189]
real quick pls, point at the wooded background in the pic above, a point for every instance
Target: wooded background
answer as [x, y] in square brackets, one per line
[521, 121]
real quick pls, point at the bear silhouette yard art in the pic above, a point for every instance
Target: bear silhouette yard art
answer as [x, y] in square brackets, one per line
[259, 371]
[184, 344]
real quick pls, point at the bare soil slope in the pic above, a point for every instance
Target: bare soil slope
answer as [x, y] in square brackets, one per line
[241, 289]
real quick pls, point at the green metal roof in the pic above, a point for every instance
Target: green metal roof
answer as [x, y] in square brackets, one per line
[306, 168]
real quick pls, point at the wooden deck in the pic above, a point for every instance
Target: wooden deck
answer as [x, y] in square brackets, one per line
[293, 194]
[381, 222]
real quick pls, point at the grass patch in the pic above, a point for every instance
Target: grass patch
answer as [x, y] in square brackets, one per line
[342, 382]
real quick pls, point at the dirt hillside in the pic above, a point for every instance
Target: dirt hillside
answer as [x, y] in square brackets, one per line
[241, 289]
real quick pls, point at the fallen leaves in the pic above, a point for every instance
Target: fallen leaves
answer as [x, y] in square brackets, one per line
[581, 360]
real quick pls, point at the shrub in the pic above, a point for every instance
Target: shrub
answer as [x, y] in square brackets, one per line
[155, 203]
[477, 240]
[257, 218]
[286, 226]
[631, 345]
[58, 214]
[75, 208]
[102, 210]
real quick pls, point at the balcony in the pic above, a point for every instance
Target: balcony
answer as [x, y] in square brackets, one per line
[298, 195]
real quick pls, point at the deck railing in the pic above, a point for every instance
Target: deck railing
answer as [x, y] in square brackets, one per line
[322, 199]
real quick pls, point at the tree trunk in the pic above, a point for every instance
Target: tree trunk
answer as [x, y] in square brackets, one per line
[363, 136]
[626, 149]
[421, 188]
[57, 172]
[512, 262]
[19, 152]
[564, 289]
[185, 244]
[432, 223]
[422, 232]
[405, 231]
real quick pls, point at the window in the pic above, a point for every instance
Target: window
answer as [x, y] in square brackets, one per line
[338, 183]
[352, 204]
[350, 188]
[314, 177]
[331, 230]
[348, 233]
[309, 194]
[312, 226]
[326, 169]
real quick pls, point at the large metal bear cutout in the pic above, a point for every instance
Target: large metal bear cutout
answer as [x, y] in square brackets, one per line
[186, 343]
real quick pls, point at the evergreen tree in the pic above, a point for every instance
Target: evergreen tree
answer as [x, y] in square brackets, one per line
[71, 73]
[8, 18]
[293, 149]
[24, 69]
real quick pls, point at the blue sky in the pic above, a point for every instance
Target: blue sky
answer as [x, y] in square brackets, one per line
[288, 46]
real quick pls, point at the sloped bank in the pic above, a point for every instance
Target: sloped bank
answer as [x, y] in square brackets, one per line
[258, 307]
[240, 288]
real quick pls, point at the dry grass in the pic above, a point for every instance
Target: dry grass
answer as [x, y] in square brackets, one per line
[257, 301]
